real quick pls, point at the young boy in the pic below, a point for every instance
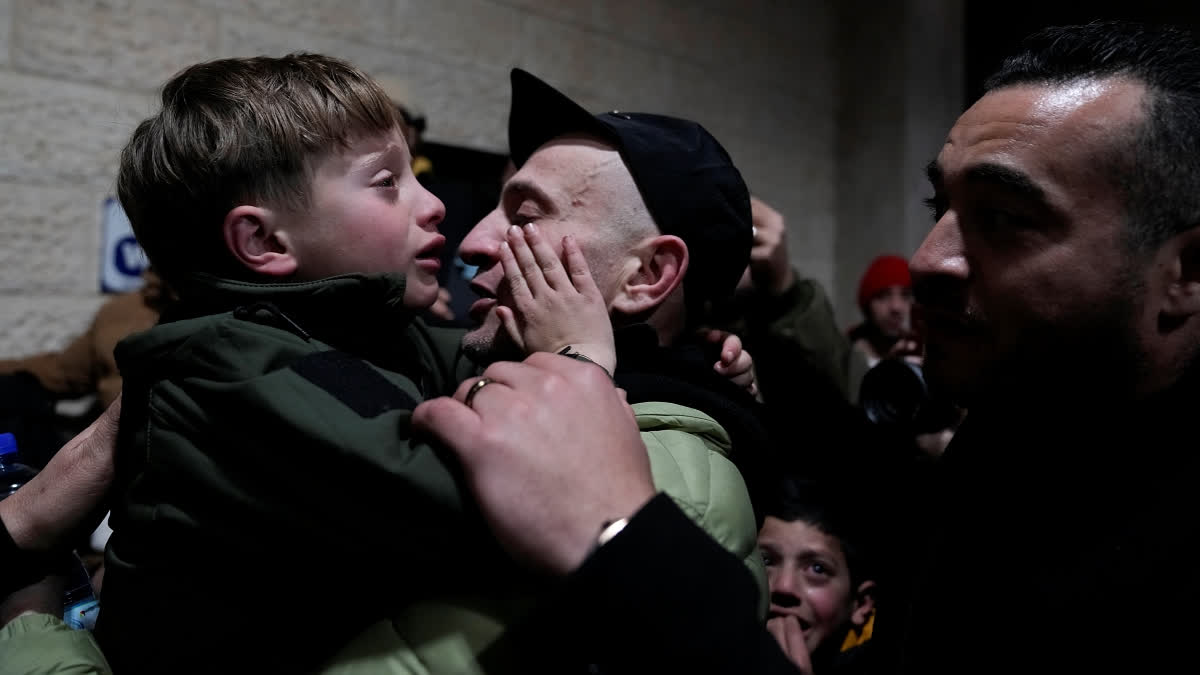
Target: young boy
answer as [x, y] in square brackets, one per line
[822, 583]
[272, 502]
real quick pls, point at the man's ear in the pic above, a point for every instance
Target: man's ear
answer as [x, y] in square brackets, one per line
[253, 238]
[659, 265]
[864, 604]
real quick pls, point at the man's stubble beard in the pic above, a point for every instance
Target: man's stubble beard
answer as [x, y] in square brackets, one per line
[489, 343]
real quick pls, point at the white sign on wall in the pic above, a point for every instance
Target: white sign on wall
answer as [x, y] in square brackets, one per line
[122, 260]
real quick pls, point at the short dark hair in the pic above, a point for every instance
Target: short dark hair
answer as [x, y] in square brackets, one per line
[238, 129]
[824, 505]
[1157, 168]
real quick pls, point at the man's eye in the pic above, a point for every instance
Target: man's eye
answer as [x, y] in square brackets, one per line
[769, 559]
[995, 219]
[936, 206]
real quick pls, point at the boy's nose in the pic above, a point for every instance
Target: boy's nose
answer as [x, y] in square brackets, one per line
[434, 211]
[783, 582]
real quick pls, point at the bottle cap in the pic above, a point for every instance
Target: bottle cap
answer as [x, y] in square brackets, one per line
[8, 444]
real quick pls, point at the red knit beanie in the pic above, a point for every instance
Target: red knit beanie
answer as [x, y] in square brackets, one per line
[884, 272]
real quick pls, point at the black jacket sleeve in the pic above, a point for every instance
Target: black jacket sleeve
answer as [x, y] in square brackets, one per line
[660, 597]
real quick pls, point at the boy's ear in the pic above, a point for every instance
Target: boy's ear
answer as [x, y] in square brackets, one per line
[659, 264]
[864, 604]
[253, 238]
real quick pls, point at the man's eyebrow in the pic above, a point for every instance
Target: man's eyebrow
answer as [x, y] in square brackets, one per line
[1007, 178]
[523, 188]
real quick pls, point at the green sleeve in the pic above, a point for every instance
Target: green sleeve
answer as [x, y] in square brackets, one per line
[37, 644]
[797, 332]
[687, 451]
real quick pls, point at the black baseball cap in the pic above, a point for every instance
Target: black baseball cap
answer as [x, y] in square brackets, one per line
[686, 178]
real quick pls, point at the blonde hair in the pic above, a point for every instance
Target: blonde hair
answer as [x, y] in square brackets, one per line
[238, 131]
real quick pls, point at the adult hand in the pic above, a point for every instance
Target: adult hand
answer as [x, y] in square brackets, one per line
[908, 348]
[64, 499]
[553, 306]
[551, 451]
[787, 632]
[770, 269]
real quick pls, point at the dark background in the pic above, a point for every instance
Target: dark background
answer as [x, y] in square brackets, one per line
[468, 183]
[994, 29]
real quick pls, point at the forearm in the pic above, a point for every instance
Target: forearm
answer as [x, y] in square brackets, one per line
[62, 499]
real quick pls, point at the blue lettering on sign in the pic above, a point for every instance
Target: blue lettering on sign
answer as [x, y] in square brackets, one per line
[128, 257]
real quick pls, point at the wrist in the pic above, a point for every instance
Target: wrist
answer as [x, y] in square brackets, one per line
[605, 358]
[20, 565]
[604, 530]
[18, 528]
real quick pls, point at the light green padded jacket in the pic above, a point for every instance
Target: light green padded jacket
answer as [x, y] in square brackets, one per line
[689, 458]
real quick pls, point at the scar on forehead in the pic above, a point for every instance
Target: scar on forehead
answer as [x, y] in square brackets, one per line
[594, 176]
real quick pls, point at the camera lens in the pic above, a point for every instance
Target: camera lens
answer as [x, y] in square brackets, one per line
[893, 393]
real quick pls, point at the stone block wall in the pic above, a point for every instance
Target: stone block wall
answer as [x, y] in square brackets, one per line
[77, 75]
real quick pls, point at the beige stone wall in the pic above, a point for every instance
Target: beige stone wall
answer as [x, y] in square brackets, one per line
[77, 75]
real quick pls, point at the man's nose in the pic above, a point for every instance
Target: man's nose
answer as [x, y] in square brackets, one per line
[481, 246]
[942, 253]
[939, 267]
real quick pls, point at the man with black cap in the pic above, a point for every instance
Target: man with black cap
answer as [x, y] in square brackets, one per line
[662, 217]
[660, 211]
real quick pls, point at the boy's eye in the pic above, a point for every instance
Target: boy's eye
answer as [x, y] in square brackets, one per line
[388, 181]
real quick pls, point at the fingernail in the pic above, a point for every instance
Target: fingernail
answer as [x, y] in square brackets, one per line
[514, 231]
[531, 227]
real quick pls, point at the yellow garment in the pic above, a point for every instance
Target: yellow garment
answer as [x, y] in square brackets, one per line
[421, 164]
[858, 636]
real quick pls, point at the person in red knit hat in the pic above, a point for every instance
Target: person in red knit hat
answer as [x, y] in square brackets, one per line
[885, 297]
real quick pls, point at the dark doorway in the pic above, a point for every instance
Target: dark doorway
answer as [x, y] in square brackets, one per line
[468, 183]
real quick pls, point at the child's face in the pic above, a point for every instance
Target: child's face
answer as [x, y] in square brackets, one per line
[808, 578]
[369, 215]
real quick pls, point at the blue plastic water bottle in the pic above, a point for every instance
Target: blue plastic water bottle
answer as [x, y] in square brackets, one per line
[80, 606]
[13, 474]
